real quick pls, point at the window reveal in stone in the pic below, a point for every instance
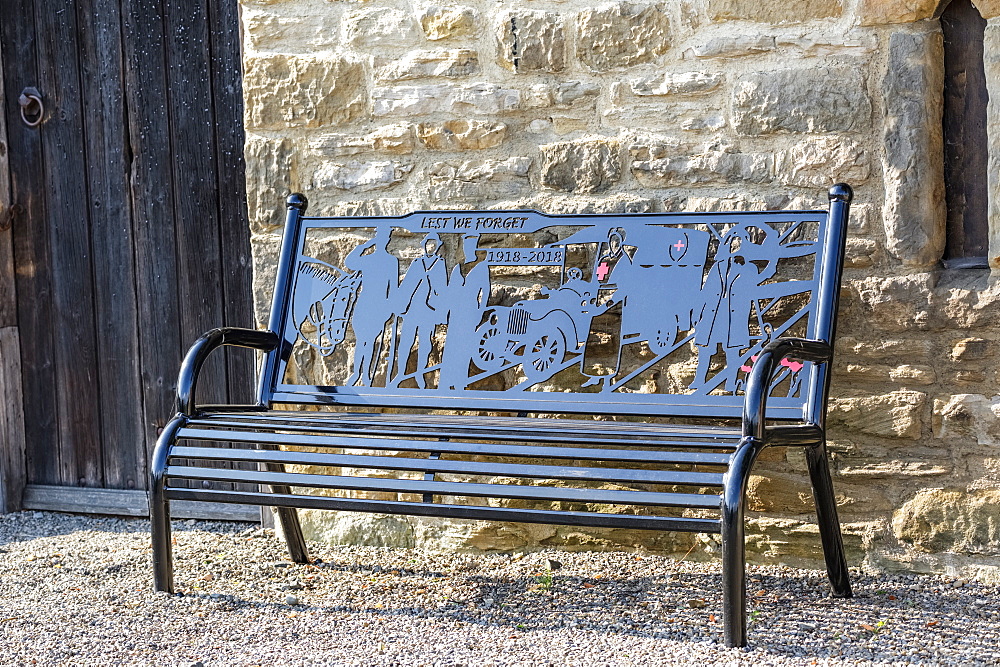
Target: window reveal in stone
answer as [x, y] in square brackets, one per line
[965, 138]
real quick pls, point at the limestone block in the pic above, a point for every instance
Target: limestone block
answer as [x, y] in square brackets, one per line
[968, 416]
[282, 31]
[482, 99]
[357, 528]
[576, 205]
[454, 135]
[823, 161]
[895, 303]
[988, 9]
[950, 520]
[991, 60]
[735, 202]
[710, 167]
[561, 95]
[793, 542]
[586, 166]
[396, 138]
[265, 248]
[880, 12]
[358, 176]
[860, 253]
[913, 374]
[895, 470]
[966, 301]
[884, 348]
[773, 12]
[823, 44]
[380, 27]
[383, 206]
[972, 349]
[688, 83]
[531, 41]
[450, 63]
[914, 210]
[487, 179]
[779, 492]
[296, 91]
[801, 100]
[897, 414]
[731, 46]
[269, 164]
[621, 34]
[860, 222]
[446, 22]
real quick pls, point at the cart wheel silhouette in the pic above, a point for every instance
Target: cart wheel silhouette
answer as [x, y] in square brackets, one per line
[543, 352]
[490, 348]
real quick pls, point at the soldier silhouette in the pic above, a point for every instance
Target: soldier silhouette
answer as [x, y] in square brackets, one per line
[374, 303]
[728, 296]
[422, 309]
[468, 295]
[614, 267]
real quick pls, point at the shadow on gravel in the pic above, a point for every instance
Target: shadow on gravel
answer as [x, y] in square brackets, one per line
[790, 616]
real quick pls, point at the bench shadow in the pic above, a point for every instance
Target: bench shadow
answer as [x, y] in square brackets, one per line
[790, 616]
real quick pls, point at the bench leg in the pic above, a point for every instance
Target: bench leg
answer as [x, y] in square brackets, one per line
[734, 584]
[159, 508]
[288, 519]
[829, 523]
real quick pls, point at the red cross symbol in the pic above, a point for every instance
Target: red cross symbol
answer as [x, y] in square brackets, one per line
[679, 245]
[602, 271]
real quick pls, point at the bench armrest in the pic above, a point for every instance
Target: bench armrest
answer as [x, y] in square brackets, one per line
[764, 368]
[187, 380]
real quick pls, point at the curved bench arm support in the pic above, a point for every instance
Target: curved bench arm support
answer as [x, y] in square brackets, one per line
[766, 365]
[197, 354]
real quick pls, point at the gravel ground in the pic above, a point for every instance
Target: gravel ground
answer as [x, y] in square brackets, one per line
[78, 591]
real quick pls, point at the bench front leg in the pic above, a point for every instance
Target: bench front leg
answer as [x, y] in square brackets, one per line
[159, 507]
[734, 585]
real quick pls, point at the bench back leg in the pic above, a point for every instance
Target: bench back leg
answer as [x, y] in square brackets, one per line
[288, 518]
[159, 508]
[829, 524]
[734, 585]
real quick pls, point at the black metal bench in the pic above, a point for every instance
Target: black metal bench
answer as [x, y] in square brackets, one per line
[698, 339]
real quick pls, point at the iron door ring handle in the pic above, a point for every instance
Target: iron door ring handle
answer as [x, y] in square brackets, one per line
[31, 103]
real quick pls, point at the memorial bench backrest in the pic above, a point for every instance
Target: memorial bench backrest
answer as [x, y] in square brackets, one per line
[643, 314]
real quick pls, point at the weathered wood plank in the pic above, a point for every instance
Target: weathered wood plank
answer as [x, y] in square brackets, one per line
[234, 230]
[193, 131]
[12, 462]
[31, 247]
[8, 293]
[116, 312]
[196, 202]
[152, 201]
[122, 502]
[12, 453]
[65, 161]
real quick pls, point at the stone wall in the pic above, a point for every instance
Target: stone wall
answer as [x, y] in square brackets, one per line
[390, 106]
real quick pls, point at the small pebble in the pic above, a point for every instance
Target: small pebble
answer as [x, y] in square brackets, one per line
[291, 599]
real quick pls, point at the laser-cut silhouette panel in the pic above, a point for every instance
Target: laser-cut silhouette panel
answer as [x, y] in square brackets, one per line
[514, 302]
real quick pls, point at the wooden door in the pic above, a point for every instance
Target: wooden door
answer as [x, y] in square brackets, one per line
[130, 237]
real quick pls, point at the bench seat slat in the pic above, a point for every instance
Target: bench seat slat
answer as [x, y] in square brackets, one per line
[467, 432]
[449, 466]
[515, 427]
[545, 493]
[475, 512]
[468, 448]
